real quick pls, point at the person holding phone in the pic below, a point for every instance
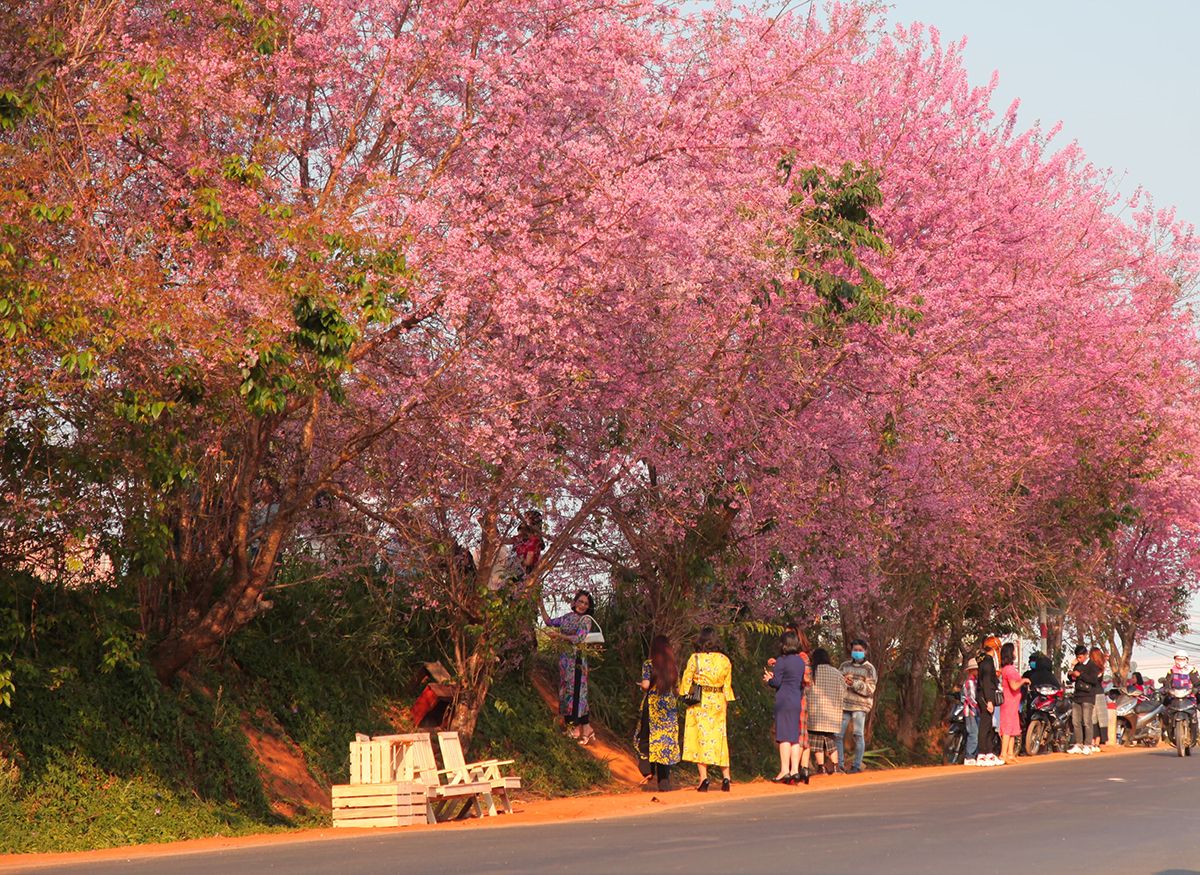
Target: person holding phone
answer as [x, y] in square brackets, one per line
[1087, 676]
[1010, 709]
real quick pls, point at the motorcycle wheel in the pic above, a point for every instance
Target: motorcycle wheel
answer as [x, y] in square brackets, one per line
[1035, 737]
[1181, 738]
[952, 753]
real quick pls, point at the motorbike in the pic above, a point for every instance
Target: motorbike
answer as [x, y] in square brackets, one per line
[1180, 719]
[1139, 717]
[955, 745]
[1048, 727]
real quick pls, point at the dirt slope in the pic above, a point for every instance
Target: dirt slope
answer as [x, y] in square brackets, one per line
[606, 748]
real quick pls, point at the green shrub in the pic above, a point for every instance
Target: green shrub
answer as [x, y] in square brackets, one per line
[516, 724]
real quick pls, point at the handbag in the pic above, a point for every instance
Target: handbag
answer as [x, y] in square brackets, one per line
[695, 693]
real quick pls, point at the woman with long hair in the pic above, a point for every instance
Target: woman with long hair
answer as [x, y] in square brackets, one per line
[705, 741]
[657, 738]
[1101, 710]
[824, 701]
[1010, 709]
[989, 686]
[786, 677]
[573, 627]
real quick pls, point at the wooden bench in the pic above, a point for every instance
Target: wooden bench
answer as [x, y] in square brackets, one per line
[462, 772]
[452, 800]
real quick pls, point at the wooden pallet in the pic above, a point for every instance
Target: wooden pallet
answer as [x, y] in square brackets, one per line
[372, 805]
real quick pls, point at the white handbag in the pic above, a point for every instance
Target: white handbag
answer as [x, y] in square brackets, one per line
[596, 636]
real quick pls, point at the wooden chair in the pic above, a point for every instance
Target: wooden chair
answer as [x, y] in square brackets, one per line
[462, 772]
[442, 799]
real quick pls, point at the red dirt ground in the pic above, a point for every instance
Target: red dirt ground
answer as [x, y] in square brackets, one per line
[621, 763]
[285, 776]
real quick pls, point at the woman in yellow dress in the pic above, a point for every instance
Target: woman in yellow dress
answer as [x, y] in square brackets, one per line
[705, 742]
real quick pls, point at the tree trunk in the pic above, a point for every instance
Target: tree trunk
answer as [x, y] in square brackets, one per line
[472, 695]
[910, 701]
[236, 608]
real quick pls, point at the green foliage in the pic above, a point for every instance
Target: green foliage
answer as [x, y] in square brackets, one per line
[211, 217]
[103, 753]
[830, 239]
[238, 169]
[751, 719]
[266, 382]
[516, 724]
[328, 660]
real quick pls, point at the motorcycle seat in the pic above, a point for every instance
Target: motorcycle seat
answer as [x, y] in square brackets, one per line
[1146, 706]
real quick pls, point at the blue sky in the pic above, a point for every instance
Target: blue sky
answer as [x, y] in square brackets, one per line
[1122, 77]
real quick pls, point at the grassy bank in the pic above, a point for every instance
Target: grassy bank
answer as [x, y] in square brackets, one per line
[95, 752]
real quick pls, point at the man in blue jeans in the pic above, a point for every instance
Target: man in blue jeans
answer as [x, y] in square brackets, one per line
[860, 697]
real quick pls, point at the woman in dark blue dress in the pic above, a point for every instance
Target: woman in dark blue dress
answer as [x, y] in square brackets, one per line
[787, 679]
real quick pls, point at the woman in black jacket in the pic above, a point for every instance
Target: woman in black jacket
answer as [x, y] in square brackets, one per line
[1087, 675]
[989, 741]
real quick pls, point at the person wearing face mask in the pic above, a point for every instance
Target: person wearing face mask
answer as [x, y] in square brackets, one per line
[1181, 668]
[1181, 676]
[860, 678]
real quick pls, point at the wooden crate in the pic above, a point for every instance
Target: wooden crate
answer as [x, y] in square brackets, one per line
[375, 762]
[369, 805]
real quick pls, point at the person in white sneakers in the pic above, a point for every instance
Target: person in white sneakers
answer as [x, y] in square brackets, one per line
[988, 695]
[1087, 674]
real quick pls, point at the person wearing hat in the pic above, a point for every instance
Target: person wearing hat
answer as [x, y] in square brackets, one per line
[1087, 677]
[1182, 676]
[970, 693]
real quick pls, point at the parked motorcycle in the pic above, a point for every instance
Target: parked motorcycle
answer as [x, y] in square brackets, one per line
[1049, 724]
[955, 745]
[1180, 718]
[1139, 717]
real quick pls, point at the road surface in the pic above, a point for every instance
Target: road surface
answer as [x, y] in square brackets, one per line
[1132, 815]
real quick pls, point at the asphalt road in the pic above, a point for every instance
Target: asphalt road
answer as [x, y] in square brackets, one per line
[1133, 815]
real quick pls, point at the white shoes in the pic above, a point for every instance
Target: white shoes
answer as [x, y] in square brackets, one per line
[989, 759]
[1076, 748]
[970, 762]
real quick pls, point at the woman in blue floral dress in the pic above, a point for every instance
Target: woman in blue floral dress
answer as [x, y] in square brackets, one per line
[657, 738]
[573, 628]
